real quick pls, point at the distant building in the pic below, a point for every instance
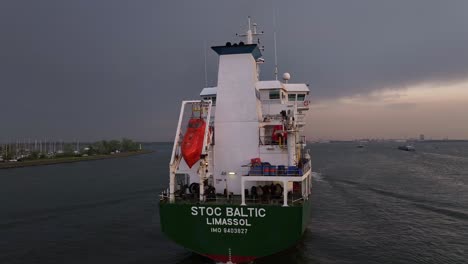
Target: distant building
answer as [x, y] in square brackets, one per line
[421, 137]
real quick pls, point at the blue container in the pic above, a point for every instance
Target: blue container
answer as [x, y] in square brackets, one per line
[273, 171]
[256, 171]
[292, 171]
[266, 170]
[281, 170]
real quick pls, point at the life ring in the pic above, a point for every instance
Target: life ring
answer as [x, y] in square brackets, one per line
[306, 102]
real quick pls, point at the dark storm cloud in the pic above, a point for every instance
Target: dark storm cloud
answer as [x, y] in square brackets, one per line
[107, 69]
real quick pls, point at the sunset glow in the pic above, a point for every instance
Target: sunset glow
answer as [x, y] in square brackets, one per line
[436, 110]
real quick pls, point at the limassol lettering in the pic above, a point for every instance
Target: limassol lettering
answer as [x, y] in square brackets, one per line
[228, 221]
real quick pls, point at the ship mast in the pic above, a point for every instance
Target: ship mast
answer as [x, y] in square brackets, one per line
[251, 32]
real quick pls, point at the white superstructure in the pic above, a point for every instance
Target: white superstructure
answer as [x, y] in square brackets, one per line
[248, 119]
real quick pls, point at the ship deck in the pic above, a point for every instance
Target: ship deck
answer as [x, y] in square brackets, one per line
[274, 195]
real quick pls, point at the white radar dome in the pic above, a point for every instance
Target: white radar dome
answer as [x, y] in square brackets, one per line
[286, 76]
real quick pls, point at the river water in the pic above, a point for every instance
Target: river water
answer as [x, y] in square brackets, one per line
[370, 205]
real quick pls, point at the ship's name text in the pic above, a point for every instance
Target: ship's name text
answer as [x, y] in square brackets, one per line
[228, 216]
[229, 211]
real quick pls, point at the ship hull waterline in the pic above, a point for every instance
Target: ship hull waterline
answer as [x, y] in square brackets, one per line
[235, 233]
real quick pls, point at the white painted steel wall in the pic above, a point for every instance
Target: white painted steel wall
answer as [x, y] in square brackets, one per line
[238, 113]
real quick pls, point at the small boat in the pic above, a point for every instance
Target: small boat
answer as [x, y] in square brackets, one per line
[407, 148]
[192, 143]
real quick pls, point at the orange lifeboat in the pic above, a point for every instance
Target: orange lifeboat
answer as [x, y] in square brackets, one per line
[192, 143]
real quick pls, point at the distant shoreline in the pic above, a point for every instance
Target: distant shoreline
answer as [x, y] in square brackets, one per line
[42, 162]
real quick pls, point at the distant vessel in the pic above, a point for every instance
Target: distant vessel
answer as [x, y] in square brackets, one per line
[239, 177]
[407, 148]
[362, 143]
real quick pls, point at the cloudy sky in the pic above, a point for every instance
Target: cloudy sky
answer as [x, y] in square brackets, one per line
[92, 69]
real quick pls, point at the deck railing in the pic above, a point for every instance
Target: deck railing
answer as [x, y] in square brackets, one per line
[276, 170]
[269, 140]
[277, 200]
[276, 117]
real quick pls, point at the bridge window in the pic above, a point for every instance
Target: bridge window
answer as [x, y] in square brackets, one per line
[291, 97]
[274, 94]
[301, 97]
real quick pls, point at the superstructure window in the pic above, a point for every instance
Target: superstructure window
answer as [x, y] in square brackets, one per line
[301, 97]
[275, 94]
[291, 97]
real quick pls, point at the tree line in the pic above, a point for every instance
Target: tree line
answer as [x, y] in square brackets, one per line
[103, 147]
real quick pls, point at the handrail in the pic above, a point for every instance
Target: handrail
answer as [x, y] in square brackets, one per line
[234, 200]
[274, 170]
[268, 141]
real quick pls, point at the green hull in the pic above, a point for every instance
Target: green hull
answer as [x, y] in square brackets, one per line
[226, 232]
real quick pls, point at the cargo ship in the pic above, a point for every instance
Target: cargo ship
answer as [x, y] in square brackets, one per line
[240, 176]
